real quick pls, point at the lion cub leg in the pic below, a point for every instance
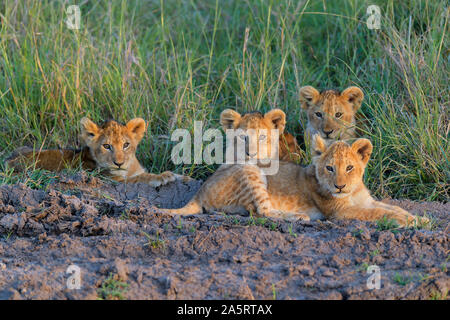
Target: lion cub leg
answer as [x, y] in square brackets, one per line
[252, 194]
[155, 180]
[402, 217]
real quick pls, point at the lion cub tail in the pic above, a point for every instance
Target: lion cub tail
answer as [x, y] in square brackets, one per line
[192, 207]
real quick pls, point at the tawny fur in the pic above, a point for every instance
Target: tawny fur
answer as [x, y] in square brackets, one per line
[110, 147]
[289, 148]
[297, 192]
[328, 104]
[239, 187]
[330, 113]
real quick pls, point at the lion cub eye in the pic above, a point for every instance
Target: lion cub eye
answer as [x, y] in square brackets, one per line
[319, 114]
[349, 168]
[107, 146]
[126, 145]
[338, 114]
[329, 168]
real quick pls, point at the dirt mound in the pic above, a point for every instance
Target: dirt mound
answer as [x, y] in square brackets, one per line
[125, 250]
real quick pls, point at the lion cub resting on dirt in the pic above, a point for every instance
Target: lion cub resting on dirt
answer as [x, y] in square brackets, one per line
[330, 187]
[110, 147]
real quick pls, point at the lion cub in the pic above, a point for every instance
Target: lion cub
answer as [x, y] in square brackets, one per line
[330, 187]
[110, 147]
[330, 113]
[240, 187]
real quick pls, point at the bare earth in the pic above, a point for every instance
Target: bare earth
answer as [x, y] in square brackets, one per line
[110, 230]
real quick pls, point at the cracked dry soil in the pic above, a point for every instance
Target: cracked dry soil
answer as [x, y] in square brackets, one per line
[110, 232]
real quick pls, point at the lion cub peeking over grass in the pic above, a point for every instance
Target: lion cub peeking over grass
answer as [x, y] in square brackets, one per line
[330, 113]
[110, 147]
[331, 187]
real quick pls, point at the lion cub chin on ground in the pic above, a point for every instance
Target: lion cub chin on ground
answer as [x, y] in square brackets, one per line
[331, 187]
[110, 147]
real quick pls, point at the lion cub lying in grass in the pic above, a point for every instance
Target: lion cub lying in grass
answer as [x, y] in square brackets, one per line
[330, 113]
[330, 187]
[110, 147]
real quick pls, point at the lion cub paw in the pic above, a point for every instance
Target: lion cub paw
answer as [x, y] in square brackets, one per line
[405, 219]
[157, 180]
[417, 221]
[184, 179]
[167, 177]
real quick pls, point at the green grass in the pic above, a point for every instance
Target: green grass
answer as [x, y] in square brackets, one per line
[173, 62]
[437, 295]
[154, 242]
[385, 223]
[112, 289]
[401, 279]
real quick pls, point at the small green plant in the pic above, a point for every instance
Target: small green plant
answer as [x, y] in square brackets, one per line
[437, 295]
[107, 196]
[125, 215]
[292, 233]
[444, 265]
[112, 289]
[261, 221]
[402, 280]
[387, 224]
[357, 232]
[156, 242]
[274, 292]
[374, 253]
[7, 236]
[251, 220]
[179, 225]
[363, 267]
[423, 277]
[273, 226]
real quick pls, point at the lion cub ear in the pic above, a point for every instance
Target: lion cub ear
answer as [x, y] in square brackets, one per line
[89, 130]
[354, 95]
[308, 95]
[318, 145]
[278, 119]
[136, 127]
[363, 147]
[229, 119]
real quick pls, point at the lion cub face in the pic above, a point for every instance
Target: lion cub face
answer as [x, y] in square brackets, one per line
[254, 131]
[331, 113]
[113, 145]
[340, 167]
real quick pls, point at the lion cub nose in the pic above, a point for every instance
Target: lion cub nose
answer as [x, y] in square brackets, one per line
[340, 187]
[328, 132]
[118, 164]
